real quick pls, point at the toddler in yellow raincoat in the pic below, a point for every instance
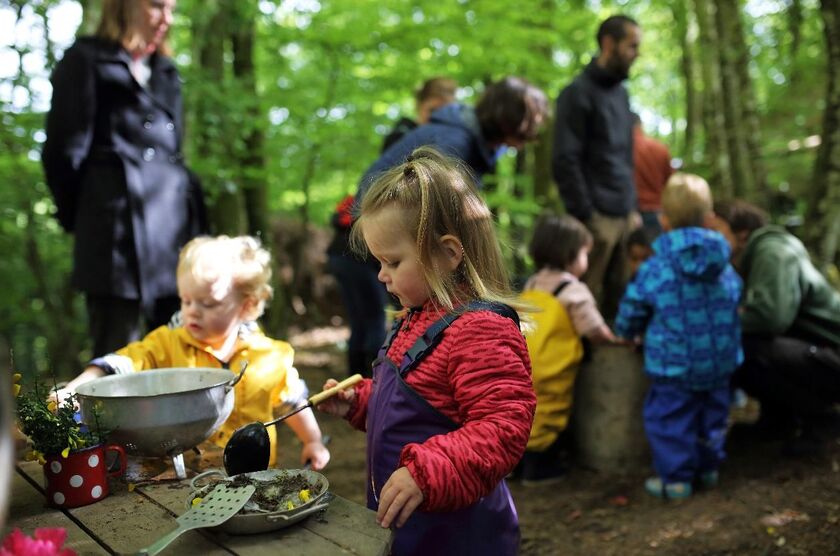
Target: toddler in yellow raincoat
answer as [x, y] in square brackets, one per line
[565, 312]
[223, 286]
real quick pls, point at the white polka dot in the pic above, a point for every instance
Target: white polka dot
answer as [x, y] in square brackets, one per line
[76, 481]
[55, 467]
[58, 498]
[96, 491]
[93, 460]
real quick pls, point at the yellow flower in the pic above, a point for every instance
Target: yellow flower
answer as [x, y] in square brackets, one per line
[196, 501]
[65, 452]
[290, 505]
[35, 455]
[304, 495]
[52, 405]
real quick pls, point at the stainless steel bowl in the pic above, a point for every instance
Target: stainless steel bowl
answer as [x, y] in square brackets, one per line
[163, 412]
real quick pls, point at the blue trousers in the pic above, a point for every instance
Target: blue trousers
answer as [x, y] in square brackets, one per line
[686, 430]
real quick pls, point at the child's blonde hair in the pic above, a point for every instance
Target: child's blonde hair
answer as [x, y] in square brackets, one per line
[242, 260]
[686, 200]
[438, 196]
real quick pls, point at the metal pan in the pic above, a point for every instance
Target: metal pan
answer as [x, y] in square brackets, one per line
[253, 519]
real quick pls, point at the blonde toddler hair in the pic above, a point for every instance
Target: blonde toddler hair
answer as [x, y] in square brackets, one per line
[240, 260]
[686, 201]
[438, 196]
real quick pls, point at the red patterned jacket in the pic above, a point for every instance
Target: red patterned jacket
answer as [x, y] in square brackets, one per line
[479, 375]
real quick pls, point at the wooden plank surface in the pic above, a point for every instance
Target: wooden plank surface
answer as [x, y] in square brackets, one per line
[131, 518]
[343, 528]
[124, 522]
[29, 511]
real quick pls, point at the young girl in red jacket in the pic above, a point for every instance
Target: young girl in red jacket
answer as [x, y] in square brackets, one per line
[450, 406]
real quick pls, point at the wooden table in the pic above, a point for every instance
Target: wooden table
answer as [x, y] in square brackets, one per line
[134, 516]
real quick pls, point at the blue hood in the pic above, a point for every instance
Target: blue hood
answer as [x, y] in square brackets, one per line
[696, 252]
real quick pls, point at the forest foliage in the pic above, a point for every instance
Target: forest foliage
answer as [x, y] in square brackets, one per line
[288, 102]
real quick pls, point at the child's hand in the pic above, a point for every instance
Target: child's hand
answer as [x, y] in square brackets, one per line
[60, 395]
[316, 454]
[602, 335]
[399, 498]
[340, 404]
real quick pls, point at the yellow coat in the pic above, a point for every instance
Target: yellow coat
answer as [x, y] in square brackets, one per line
[270, 380]
[556, 351]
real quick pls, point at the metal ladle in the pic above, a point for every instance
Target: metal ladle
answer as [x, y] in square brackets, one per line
[249, 448]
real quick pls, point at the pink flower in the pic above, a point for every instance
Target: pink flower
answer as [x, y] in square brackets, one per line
[47, 542]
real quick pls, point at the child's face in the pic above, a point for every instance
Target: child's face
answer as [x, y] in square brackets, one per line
[636, 255]
[211, 311]
[581, 262]
[396, 251]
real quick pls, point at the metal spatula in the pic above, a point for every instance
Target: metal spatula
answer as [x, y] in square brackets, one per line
[218, 506]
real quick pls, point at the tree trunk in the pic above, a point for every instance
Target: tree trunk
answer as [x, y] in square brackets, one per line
[824, 205]
[693, 107]
[252, 160]
[713, 118]
[731, 11]
[225, 203]
[736, 141]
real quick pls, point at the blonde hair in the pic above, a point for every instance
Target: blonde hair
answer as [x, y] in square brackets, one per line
[240, 259]
[686, 200]
[119, 23]
[438, 196]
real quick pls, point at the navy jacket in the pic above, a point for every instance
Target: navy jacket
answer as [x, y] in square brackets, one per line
[592, 159]
[113, 162]
[452, 129]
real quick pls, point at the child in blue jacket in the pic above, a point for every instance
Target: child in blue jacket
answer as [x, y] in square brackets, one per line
[684, 299]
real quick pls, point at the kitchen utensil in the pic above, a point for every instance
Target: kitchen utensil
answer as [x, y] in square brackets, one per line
[249, 447]
[162, 412]
[252, 519]
[217, 507]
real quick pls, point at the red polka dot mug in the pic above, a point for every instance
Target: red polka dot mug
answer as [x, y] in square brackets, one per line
[82, 477]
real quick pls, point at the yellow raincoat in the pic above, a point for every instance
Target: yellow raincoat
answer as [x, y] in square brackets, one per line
[556, 351]
[270, 380]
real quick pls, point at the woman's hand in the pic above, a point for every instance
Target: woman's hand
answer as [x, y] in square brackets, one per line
[340, 404]
[316, 454]
[399, 498]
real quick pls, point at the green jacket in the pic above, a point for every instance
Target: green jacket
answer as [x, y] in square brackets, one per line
[784, 294]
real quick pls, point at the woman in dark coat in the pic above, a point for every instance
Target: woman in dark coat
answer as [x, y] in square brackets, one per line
[114, 164]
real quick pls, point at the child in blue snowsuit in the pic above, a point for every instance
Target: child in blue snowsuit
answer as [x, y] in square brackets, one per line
[685, 300]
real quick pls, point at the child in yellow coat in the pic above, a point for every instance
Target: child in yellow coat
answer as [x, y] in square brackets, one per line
[565, 312]
[223, 286]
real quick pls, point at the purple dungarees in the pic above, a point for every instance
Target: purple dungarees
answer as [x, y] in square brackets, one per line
[397, 416]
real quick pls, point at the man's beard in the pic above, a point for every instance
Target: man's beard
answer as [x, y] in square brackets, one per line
[619, 68]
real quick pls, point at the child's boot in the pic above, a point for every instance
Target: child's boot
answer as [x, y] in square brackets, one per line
[542, 468]
[671, 491]
[708, 479]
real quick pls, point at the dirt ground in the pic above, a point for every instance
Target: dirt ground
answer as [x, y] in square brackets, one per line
[766, 504]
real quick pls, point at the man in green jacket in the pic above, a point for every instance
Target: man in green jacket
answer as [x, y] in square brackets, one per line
[790, 318]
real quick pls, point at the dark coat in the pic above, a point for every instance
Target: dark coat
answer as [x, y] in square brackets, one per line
[453, 130]
[113, 162]
[592, 160]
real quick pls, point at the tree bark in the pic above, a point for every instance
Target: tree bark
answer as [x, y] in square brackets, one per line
[225, 202]
[252, 160]
[693, 107]
[713, 118]
[732, 13]
[824, 205]
[735, 129]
